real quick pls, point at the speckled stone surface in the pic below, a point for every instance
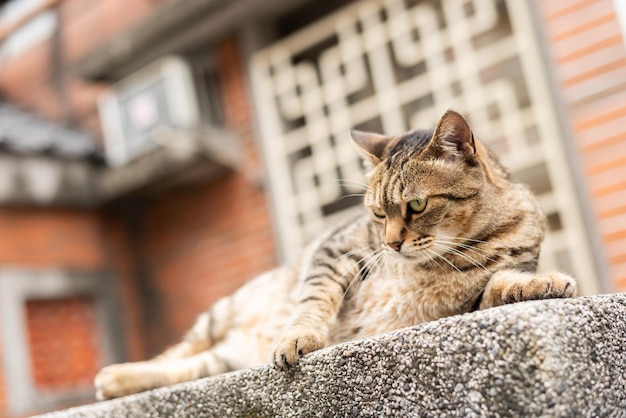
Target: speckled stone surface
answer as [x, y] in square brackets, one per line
[555, 358]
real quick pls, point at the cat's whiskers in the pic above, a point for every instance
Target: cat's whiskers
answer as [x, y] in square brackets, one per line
[473, 248]
[458, 253]
[462, 238]
[439, 256]
[367, 259]
[352, 183]
[478, 251]
[349, 253]
[352, 195]
[431, 259]
[372, 261]
[482, 255]
[373, 264]
[509, 240]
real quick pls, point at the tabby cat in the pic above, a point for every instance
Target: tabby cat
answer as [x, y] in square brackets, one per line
[444, 231]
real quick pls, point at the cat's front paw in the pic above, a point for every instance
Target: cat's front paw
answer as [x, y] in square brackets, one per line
[511, 286]
[292, 345]
[541, 286]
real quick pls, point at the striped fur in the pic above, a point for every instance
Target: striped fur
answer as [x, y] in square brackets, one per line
[474, 244]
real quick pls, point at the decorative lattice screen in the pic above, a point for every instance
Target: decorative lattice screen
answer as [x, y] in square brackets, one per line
[394, 65]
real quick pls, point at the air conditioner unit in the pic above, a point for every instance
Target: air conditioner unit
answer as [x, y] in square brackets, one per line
[138, 109]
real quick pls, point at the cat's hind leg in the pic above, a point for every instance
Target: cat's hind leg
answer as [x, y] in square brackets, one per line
[181, 362]
[509, 286]
[209, 328]
[197, 339]
[235, 333]
[128, 378]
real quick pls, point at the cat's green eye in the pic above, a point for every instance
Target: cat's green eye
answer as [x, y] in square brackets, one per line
[378, 212]
[418, 205]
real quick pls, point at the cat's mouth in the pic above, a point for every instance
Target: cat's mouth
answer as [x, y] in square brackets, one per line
[426, 249]
[417, 249]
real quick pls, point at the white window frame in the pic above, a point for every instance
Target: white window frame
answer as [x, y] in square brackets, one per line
[17, 286]
[296, 95]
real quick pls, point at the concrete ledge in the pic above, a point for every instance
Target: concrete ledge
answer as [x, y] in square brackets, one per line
[557, 358]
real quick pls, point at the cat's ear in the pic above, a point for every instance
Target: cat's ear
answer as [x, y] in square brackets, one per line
[371, 145]
[453, 137]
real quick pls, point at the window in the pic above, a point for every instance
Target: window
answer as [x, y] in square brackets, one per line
[63, 338]
[142, 110]
[207, 87]
[56, 333]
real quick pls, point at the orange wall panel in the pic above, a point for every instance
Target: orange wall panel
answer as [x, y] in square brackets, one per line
[589, 60]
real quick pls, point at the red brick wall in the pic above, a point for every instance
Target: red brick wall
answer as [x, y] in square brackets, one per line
[202, 244]
[589, 58]
[48, 237]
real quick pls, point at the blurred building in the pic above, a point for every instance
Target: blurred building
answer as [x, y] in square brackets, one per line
[155, 154]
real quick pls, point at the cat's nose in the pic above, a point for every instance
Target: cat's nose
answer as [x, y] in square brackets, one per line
[395, 245]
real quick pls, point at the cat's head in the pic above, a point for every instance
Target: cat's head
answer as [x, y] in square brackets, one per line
[426, 186]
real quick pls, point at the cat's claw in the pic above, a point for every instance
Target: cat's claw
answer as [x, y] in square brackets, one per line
[511, 288]
[291, 346]
[542, 286]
